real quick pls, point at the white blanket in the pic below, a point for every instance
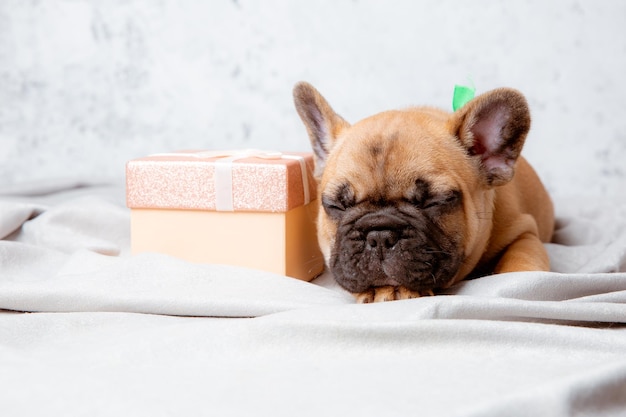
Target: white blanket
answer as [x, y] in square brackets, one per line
[108, 333]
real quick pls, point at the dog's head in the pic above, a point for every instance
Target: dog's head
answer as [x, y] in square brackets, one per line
[407, 195]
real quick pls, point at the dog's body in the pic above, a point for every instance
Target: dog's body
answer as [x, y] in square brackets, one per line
[416, 200]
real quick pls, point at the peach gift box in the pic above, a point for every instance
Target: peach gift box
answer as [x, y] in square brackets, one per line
[246, 208]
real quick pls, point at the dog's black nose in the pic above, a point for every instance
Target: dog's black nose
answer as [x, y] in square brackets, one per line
[381, 239]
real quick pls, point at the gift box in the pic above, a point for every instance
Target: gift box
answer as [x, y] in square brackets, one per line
[248, 208]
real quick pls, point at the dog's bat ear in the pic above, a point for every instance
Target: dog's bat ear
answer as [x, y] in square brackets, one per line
[493, 128]
[322, 123]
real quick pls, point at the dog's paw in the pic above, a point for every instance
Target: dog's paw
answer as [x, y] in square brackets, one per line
[389, 293]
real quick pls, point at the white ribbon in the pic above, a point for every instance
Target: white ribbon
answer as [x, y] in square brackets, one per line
[223, 177]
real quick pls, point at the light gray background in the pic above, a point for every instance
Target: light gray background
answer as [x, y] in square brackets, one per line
[86, 85]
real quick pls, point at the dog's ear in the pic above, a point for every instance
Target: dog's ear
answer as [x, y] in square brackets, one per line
[493, 128]
[322, 123]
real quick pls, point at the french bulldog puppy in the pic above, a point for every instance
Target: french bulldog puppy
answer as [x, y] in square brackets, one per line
[415, 200]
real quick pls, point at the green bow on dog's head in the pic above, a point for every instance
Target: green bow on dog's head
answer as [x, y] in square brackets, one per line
[462, 94]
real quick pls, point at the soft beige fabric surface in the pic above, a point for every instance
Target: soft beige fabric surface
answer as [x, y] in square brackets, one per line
[114, 334]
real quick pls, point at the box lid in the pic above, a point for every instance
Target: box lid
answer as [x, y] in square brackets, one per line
[242, 180]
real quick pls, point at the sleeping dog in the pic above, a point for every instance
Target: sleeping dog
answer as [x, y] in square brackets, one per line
[415, 200]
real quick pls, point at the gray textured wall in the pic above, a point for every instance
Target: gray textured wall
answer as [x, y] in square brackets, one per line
[86, 84]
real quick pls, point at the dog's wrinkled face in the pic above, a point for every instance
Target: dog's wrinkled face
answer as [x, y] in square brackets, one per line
[393, 214]
[382, 243]
[406, 195]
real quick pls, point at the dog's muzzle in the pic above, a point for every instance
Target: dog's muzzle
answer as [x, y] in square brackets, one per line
[389, 247]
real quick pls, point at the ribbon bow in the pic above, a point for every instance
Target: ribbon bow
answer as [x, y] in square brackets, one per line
[462, 94]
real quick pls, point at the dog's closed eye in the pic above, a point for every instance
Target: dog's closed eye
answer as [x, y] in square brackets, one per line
[449, 199]
[335, 203]
[424, 199]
